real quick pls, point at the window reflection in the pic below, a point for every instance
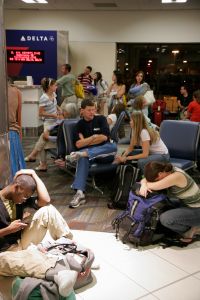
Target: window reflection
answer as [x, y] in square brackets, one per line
[166, 66]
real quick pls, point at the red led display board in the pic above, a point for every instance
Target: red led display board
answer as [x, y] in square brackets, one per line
[25, 56]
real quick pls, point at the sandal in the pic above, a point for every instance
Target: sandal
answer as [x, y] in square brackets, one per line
[186, 240]
[40, 169]
[27, 159]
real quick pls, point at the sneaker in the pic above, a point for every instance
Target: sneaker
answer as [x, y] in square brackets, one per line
[77, 200]
[73, 156]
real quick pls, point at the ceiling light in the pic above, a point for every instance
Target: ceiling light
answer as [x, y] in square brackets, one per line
[174, 1]
[36, 1]
[150, 61]
[175, 51]
[42, 1]
[28, 1]
[185, 61]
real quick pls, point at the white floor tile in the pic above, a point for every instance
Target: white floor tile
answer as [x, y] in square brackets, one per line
[187, 259]
[187, 289]
[78, 297]
[110, 284]
[197, 275]
[149, 270]
[149, 297]
[142, 266]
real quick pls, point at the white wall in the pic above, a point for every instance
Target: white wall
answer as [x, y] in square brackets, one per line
[92, 35]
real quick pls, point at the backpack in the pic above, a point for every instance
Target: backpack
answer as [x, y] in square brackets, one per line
[35, 293]
[125, 179]
[142, 215]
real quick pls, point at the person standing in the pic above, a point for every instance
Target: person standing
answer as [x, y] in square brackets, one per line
[116, 90]
[17, 161]
[193, 110]
[85, 79]
[67, 83]
[184, 99]
[139, 88]
[102, 87]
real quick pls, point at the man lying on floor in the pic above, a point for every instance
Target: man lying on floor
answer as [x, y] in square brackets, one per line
[19, 229]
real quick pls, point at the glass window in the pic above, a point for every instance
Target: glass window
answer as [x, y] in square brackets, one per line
[166, 66]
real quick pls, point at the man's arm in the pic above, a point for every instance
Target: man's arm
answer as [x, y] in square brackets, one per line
[94, 139]
[43, 195]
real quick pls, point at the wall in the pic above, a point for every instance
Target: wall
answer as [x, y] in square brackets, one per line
[92, 35]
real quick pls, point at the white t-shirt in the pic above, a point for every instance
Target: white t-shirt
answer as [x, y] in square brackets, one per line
[113, 118]
[157, 148]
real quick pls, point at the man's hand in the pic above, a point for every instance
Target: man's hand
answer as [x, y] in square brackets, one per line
[81, 137]
[25, 172]
[16, 225]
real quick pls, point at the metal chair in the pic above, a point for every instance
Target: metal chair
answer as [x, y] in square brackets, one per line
[181, 139]
[100, 166]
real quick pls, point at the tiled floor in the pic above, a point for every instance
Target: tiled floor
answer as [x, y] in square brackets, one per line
[147, 273]
[125, 273]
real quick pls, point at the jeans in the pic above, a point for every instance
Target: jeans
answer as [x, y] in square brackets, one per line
[141, 162]
[84, 163]
[181, 219]
[152, 157]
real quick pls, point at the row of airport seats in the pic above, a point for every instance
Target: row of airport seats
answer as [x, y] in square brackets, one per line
[180, 137]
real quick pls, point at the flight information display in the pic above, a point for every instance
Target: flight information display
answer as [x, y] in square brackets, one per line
[25, 56]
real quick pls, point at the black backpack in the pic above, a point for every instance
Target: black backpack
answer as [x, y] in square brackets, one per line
[126, 176]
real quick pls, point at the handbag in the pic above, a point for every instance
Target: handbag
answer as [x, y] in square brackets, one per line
[149, 96]
[79, 91]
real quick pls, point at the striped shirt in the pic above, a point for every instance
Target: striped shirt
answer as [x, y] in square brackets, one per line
[190, 195]
[50, 106]
[85, 80]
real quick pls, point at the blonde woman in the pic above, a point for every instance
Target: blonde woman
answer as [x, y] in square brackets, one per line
[152, 147]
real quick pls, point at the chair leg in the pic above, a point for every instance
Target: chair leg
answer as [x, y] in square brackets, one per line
[95, 186]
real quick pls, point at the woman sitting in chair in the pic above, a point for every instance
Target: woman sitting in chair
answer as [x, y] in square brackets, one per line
[152, 147]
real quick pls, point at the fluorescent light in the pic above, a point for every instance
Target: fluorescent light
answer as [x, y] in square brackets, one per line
[174, 1]
[28, 1]
[175, 51]
[42, 1]
[36, 1]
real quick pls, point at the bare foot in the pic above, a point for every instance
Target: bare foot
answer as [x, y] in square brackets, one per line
[188, 235]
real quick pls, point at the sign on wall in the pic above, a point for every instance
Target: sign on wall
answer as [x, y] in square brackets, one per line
[31, 53]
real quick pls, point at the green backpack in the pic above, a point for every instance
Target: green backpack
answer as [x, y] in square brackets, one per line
[35, 294]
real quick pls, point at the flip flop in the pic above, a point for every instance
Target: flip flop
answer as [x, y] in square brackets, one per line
[40, 170]
[186, 240]
[29, 159]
